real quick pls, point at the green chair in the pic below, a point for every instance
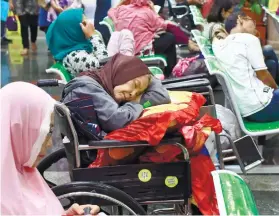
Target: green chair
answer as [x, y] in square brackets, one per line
[253, 129]
[234, 196]
[61, 71]
[108, 23]
[65, 76]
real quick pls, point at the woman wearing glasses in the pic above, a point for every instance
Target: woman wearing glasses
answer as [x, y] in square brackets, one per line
[240, 54]
[26, 126]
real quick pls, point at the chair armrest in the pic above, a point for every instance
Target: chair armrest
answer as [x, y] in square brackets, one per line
[179, 12]
[185, 78]
[197, 85]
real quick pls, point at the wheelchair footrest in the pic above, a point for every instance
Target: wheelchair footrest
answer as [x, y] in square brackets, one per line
[144, 182]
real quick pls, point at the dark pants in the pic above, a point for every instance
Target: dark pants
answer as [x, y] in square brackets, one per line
[271, 62]
[3, 29]
[165, 45]
[269, 113]
[28, 21]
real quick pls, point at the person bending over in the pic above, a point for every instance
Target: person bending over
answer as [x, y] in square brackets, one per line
[27, 123]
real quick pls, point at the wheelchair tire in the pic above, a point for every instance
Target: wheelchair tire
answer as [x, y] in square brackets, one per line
[100, 191]
[48, 161]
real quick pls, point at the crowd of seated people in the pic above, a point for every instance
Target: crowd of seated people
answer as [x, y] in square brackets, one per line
[141, 24]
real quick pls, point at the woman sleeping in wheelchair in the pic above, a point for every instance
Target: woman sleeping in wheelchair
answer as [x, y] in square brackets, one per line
[27, 124]
[72, 39]
[118, 92]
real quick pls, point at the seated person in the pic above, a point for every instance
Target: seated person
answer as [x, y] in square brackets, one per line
[240, 54]
[221, 9]
[73, 41]
[119, 91]
[27, 125]
[140, 18]
[245, 24]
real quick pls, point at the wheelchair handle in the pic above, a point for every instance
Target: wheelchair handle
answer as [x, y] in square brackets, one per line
[87, 211]
[48, 82]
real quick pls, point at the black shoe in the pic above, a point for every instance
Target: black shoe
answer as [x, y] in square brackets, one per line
[6, 40]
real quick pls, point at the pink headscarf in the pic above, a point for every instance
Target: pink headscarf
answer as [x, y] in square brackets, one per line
[25, 122]
[140, 19]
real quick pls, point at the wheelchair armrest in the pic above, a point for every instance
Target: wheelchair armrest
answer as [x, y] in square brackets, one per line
[197, 85]
[185, 78]
[50, 159]
[118, 144]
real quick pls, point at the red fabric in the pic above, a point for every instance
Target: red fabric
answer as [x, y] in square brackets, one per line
[203, 186]
[195, 137]
[157, 125]
[152, 128]
[205, 10]
[180, 36]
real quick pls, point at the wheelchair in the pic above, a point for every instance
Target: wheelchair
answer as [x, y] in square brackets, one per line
[116, 181]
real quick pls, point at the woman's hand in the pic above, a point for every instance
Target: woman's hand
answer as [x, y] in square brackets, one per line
[77, 209]
[87, 28]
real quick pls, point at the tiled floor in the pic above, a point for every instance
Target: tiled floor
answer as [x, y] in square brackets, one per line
[31, 68]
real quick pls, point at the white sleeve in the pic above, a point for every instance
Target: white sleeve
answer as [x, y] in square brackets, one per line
[255, 53]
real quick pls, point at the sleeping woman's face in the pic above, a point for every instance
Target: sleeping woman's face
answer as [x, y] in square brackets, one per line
[132, 89]
[47, 143]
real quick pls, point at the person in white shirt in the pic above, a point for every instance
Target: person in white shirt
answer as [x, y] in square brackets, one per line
[240, 54]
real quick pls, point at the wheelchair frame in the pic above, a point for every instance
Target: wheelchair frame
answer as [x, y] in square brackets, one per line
[73, 149]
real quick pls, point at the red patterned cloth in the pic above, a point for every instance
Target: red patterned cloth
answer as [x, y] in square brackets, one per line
[152, 128]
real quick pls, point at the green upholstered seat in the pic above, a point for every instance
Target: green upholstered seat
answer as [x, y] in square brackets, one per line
[157, 72]
[154, 57]
[109, 23]
[233, 195]
[61, 71]
[257, 126]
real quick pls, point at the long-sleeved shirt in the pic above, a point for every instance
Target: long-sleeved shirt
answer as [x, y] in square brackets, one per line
[112, 116]
[80, 60]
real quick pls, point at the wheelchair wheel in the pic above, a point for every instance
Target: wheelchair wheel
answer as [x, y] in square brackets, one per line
[48, 161]
[110, 199]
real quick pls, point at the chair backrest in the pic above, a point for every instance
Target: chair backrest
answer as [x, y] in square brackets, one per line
[108, 23]
[61, 71]
[216, 69]
[62, 118]
[233, 195]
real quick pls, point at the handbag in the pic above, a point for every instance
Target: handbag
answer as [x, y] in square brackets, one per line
[11, 22]
[4, 10]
